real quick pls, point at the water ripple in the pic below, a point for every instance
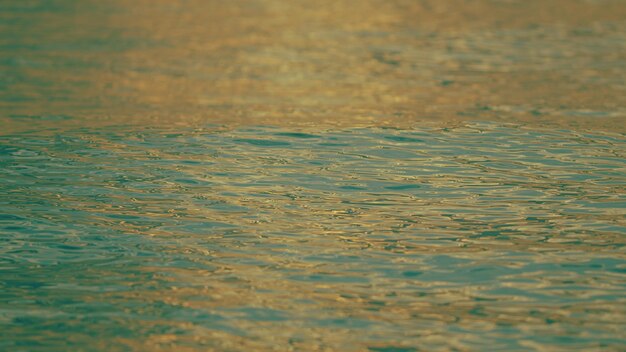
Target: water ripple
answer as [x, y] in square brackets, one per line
[481, 236]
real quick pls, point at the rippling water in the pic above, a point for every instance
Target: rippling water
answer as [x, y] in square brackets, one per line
[337, 175]
[477, 236]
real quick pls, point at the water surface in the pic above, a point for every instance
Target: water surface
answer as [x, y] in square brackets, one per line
[347, 63]
[341, 175]
[473, 237]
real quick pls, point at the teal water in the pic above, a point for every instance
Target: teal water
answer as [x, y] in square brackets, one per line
[479, 236]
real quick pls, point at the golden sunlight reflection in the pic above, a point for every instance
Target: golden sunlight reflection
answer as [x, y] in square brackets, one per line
[329, 63]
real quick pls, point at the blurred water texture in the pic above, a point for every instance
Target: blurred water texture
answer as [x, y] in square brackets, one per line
[347, 63]
[337, 175]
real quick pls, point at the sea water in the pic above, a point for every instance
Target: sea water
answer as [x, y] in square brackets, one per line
[479, 236]
[336, 175]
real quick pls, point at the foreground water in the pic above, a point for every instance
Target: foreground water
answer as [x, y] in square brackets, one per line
[477, 236]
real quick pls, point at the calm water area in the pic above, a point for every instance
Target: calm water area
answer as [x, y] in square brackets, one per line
[343, 175]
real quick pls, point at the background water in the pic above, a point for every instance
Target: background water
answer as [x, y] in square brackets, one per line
[338, 175]
[332, 62]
